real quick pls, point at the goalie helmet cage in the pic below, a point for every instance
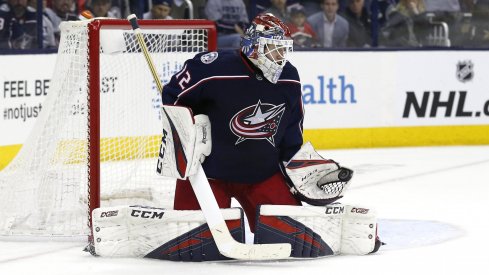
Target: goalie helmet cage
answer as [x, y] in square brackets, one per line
[96, 140]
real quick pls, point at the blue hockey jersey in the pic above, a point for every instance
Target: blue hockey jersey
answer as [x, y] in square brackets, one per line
[255, 124]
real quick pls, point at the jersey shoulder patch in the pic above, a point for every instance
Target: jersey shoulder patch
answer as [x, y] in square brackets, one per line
[208, 58]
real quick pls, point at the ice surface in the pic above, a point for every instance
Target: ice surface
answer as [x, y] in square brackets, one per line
[432, 204]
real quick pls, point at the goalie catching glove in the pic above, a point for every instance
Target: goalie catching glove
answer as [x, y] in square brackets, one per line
[185, 142]
[315, 180]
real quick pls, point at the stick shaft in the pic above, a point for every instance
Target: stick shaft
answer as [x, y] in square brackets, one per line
[142, 44]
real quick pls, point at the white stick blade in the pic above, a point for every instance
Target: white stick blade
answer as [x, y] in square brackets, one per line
[232, 249]
[260, 252]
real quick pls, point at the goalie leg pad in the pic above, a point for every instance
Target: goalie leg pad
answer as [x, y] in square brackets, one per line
[135, 231]
[315, 231]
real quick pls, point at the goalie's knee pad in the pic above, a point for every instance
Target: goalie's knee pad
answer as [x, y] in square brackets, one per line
[177, 235]
[316, 231]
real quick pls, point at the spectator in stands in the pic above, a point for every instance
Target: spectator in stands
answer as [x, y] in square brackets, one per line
[447, 11]
[359, 22]
[61, 10]
[399, 30]
[411, 8]
[18, 25]
[384, 8]
[311, 6]
[279, 10]
[80, 5]
[104, 8]
[300, 31]
[331, 28]
[160, 9]
[231, 19]
[180, 9]
[48, 40]
[442, 5]
[480, 24]
[260, 6]
[133, 6]
[467, 5]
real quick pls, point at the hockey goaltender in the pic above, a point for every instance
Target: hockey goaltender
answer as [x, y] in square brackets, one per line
[254, 153]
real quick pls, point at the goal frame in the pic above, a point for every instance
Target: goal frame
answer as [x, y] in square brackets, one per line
[94, 28]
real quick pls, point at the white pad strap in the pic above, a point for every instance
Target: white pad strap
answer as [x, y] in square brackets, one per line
[359, 230]
[137, 231]
[315, 231]
[185, 142]
[203, 141]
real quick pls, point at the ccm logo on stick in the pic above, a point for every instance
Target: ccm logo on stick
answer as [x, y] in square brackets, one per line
[147, 214]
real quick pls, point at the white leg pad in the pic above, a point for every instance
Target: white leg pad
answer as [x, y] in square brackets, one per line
[136, 231]
[315, 231]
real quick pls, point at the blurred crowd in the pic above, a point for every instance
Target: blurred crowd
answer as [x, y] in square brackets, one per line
[34, 24]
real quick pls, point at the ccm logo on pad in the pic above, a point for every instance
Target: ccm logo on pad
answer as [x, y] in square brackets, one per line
[109, 214]
[335, 210]
[147, 214]
[359, 210]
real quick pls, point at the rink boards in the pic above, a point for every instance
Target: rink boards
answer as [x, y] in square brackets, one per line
[351, 99]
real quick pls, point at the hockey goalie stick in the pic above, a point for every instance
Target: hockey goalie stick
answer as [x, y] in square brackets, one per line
[226, 244]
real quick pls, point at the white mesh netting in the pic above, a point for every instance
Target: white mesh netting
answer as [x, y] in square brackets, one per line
[44, 190]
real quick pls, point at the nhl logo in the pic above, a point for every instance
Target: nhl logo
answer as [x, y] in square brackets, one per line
[465, 71]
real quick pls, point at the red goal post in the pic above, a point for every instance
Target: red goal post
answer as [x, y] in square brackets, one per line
[96, 140]
[94, 87]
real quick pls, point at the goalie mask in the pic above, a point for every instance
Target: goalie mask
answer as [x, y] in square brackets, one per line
[267, 45]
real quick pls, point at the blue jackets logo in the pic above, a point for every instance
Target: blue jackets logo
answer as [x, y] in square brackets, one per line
[259, 121]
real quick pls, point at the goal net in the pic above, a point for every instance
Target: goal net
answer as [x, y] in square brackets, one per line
[98, 135]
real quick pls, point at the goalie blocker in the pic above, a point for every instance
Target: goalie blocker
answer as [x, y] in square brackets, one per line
[313, 231]
[186, 141]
